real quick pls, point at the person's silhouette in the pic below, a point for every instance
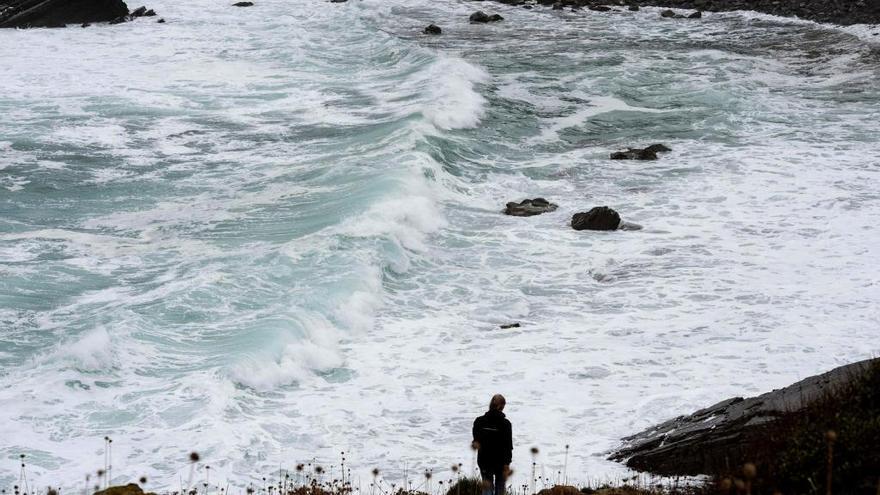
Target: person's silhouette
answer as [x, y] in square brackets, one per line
[493, 438]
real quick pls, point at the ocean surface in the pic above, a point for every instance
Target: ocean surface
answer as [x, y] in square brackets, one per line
[274, 234]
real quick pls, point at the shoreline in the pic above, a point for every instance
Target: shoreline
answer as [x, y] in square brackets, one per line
[841, 13]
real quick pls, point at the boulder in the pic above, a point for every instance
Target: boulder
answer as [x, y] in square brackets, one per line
[633, 8]
[161, 21]
[598, 218]
[510, 325]
[433, 29]
[529, 207]
[720, 436]
[667, 13]
[57, 13]
[243, 4]
[138, 12]
[482, 17]
[695, 15]
[649, 153]
[599, 8]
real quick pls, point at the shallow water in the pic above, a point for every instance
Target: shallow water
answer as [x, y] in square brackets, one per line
[273, 234]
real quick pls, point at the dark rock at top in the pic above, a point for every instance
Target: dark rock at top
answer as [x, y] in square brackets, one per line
[482, 17]
[243, 4]
[667, 13]
[695, 15]
[433, 29]
[57, 13]
[634, 8]
[529, 207]
[599, 8]
[719, 436]
[649, 153]
[557, 6]
[598, 218]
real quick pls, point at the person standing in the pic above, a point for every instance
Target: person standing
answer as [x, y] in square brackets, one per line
[493, 438]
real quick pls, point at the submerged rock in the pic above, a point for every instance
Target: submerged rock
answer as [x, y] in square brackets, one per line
[510, 325]
[482, 17]
[433, 29]
[58, 13]
[649, 153]
[529, 207]
[598, 218]
[720, 436]
[243, 4]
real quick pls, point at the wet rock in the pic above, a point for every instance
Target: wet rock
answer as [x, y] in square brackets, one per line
[633, 8]
[433, 29]
[667, 13]
[338, 1]
[557, 6]
[58, 13]
[243, 4]
[510, 325]
[138, 12]
[150, 13]
[482, 17]
[649, 153]
[86, 24]
[529, 207]
[129, 489]
[119, 20]
[161, 21]
[599, 8]
[598, 218]
[719, 436]
[695, 15]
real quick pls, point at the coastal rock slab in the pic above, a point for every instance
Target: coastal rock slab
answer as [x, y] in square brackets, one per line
[58, 13]
[529, 207]
[718, 436]
[598, 218]
[433, 29]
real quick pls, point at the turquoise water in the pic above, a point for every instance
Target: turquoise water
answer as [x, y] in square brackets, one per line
[273, 234]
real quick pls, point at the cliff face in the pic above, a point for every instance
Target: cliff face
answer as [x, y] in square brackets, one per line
[723, 436]
[57, 13]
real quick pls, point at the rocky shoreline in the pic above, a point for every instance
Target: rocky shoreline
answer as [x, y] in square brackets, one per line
[843, 12]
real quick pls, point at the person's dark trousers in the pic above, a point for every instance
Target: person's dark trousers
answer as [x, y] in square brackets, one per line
[493, 481]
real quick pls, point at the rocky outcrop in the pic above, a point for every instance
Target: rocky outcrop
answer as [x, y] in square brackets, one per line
[598, 218]
[129, 489]
[649, 153]
[481, 17]
[243, 4]
[433, 29]
[529, 207]
[719, 437]
[58, 13]
[837, 11]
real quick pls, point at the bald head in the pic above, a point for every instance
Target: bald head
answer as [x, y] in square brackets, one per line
[497, 403]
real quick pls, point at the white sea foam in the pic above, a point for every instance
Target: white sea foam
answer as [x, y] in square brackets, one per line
[455, 102]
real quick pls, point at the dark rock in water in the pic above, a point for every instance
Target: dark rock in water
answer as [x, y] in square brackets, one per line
[481, 17]
[717, 437]
[119, 20]
[599, 8]
[529, 207]
[658, 148]
[433, 29]
[86, 24]
[598, 218]
[667, 13]
[338, 1]
[557, 6]
[649, 153]
[510, 325]
[634, 8]
[161, 21]
[138, 12]
[243, 4]
[129, 489]
[150, 13]
[58, 13]
[695, 15]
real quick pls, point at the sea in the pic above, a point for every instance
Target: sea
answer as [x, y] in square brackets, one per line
[274, 235]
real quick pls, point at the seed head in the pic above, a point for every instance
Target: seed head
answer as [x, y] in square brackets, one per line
[143, 480]
[534, 450]
[475, 445]
[375, 472]
[749, 471]
[726, 483]
[455, 468]
[194, 457]
[831, 436]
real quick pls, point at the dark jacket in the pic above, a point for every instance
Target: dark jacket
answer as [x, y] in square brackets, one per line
[493, 433]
